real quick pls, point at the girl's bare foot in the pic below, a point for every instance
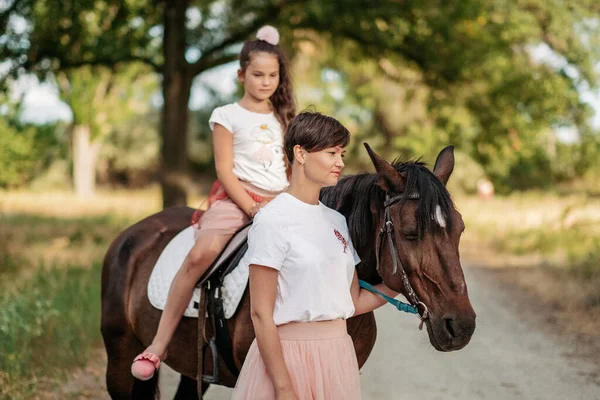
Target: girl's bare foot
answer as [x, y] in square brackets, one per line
[145, 365]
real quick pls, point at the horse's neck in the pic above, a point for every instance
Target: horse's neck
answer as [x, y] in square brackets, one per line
[343, 201]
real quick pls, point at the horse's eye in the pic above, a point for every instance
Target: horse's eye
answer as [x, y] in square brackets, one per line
[410, 235]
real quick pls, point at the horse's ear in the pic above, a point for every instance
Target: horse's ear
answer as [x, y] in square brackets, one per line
[390, 180]
[444, 165]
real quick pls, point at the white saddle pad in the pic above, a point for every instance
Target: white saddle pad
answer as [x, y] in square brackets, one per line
[167, 265]
[171, 260]
[234, 286]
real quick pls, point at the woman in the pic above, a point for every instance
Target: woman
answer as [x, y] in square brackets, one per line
[303, 282]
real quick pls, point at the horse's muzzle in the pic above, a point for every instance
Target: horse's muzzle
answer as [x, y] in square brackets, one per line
[449, 333]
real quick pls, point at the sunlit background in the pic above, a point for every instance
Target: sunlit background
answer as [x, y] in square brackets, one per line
[513, 85]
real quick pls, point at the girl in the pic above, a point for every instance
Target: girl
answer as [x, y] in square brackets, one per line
[303, 284]
[251, 170]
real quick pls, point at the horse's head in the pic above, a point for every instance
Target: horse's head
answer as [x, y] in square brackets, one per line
[426, 231]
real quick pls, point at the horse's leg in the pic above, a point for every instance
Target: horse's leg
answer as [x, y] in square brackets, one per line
[120, 341]
[363, 331]
[146, 389]
[205, 387]
[188, 389]
[121, 266]
[121, 348]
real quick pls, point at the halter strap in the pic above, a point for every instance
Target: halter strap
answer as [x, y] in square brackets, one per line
[391, 200]
[387, 203]
[388, 230]
[396, 303]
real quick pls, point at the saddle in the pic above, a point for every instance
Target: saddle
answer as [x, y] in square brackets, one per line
[212, 324]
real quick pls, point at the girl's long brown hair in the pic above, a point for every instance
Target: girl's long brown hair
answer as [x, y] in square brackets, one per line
[284, 105]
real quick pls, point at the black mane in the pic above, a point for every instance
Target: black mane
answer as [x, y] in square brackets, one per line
[432, 192]
[360, 199]
[352, 197]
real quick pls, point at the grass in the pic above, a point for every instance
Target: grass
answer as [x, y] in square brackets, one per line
[556, 231]
[59, 229]
[118, 203]
[51, 249]
[550, 242]
[28, 243]
[47, 327]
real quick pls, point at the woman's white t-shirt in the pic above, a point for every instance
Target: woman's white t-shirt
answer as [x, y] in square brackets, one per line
[310, 247]
[257, 146]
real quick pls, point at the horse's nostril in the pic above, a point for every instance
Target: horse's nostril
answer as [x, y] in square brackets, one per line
[448, 322]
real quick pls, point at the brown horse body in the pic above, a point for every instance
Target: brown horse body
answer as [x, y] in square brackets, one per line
[129, 321]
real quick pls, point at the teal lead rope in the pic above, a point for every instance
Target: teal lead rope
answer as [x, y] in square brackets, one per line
[396, 303]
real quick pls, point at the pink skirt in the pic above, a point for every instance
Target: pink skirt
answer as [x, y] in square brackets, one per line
[223, 216]
[320, 358]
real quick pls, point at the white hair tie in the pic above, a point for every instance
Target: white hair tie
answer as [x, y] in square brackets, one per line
[268, 34]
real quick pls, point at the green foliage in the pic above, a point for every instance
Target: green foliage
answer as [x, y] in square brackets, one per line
[467, 74]
[585, 265]
[26, 150]
[560, 231]
[586, 156]
[47, 326]
[467, 173]
[17, 156]
[104, 98]
[115, 105]
[577, 248]
[76, 33]
[130, 151]
[50, 271]
[409, 76]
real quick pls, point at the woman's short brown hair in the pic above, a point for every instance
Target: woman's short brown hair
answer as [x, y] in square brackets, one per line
[314, 131]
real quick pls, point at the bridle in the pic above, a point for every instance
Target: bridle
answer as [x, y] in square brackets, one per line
[387, 229]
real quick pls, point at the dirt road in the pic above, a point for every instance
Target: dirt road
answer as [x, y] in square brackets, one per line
[515, 354]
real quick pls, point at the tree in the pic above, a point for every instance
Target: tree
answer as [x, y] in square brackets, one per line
[454, 45]
[493, 98]
[45, 39]
[100, 99]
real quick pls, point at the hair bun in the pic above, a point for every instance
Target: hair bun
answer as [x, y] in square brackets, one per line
[268, 34]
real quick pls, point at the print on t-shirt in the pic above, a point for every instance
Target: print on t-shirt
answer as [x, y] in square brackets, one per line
[341, 239]
[265, 137]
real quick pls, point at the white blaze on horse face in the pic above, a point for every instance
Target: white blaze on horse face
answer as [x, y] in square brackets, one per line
[439, 217]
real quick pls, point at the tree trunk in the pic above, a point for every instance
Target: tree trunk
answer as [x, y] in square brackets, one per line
[177, 85]
[85, 155]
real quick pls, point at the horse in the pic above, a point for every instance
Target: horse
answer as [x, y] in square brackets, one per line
[404, 226]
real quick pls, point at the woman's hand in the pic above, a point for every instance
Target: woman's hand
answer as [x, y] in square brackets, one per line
[263, 292]
[365, 301]
[256, 207]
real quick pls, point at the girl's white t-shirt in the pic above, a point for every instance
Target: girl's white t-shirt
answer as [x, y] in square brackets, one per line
[257, 146]
[311, 248]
